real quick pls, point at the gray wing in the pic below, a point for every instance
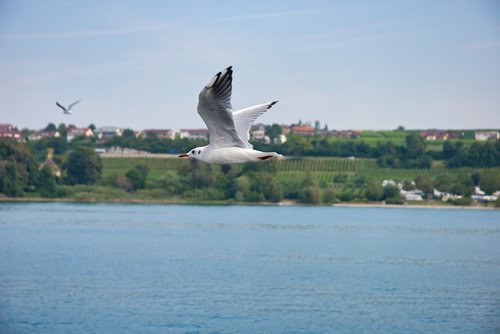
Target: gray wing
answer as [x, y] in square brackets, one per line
[244, 118]
[60, 106]
[72, 104]
[214, 107]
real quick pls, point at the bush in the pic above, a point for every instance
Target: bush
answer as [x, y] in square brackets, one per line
[374, 191]
[391, 192]
[310, 195]
[394, 200]
[328, 195]
[346, 196]
[464, 201]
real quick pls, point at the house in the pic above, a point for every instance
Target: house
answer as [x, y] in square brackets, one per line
[258, 132]
[446, 196]
[161, 133]
[389, 183]
[41, 134]
[303, 130]
[7, 131]
[108, 132]
[285, 129]
[194, 134]
[6, 127]
[281, 139]
[484, 198]
[485, 135]
[434, 134]
[75, 132]
[411, 195]
[49, 162]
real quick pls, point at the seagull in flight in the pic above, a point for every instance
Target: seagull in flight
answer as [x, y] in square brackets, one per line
[227, 130]
[67, 110]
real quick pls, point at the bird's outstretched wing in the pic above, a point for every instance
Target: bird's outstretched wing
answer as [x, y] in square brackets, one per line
[244, 118]
[214, 107]
[60, 106]
[72, 104]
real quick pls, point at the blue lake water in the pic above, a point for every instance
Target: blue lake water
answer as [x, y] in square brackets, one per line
[99, 268]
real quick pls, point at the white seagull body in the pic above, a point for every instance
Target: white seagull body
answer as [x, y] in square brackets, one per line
[228, 131]
[67, 110]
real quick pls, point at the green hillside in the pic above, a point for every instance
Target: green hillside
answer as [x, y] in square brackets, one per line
[324, 169]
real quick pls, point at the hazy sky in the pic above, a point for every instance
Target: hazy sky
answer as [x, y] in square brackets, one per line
[349, 64]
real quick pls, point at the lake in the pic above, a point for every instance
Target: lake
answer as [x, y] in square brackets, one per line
[116, 268]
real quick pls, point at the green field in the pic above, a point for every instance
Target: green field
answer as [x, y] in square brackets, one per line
[323, 169]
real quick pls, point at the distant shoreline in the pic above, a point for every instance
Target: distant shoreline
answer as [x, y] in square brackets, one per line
[229, 203]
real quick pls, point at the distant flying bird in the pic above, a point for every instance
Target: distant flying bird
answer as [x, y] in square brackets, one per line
[228, 131]
[67, 110]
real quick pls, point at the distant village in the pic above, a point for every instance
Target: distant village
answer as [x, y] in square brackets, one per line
[257, 132]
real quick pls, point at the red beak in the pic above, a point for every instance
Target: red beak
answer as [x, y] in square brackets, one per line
[183, 155]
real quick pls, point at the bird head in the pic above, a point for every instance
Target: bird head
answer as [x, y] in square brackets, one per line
[195, 153]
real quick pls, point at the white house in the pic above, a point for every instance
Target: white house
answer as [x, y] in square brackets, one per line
[391, 183]
[194, 134]
[37, 135]
[108, 132]
[446, 196]
[75, 132]
[485, 135]
[412, 197]
[258, 132]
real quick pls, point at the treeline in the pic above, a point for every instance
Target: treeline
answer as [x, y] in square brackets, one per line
[414, 153]
[82, 178]
[486, 154]
[21, 173]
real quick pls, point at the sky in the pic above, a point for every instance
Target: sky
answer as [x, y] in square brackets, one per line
[347, 64]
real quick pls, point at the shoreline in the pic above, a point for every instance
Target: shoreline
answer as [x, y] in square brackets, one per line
[230, 203]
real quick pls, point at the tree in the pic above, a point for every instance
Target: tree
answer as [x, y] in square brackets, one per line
[83, 167]
[128, 133]
[424, 183]
[329, 195]
[489, 181]
[391, 192]
[374, 191]
[10, 183]
[242, 188]
[135, 179]
[63, 130]
[415, 146]
[297, 145]
[138, 176]
[22, 159]
[47, 183]
[51, 127]
[408, 185]
[273, 131]
[123, 182]
[443, 182]
[310, 195]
